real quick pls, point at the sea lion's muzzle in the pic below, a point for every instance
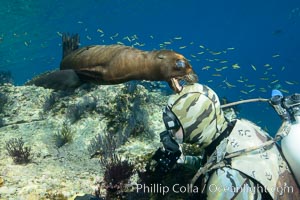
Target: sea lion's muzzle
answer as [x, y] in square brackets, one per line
[177, 82]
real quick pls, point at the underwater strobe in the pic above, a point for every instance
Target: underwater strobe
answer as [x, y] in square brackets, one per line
[289, 110]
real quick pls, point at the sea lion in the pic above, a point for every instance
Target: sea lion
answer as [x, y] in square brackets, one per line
[114, 64]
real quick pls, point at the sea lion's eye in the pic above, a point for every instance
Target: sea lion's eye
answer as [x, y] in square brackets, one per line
[180, 63]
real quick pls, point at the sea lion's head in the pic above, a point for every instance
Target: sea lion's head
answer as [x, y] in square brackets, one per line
[176, 68]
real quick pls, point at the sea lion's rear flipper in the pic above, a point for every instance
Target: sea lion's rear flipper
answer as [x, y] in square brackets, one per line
[69, 43]
[58, 80]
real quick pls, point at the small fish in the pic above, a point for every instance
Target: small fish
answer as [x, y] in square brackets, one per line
[289, 83]
[262, 90]
[167, 42]
[182, 47]
[251, 90]
[228, 84]
[115, 35]
[235, 66]
[216, 74]
[177, 38]
[253, 67]
[80, 22]
[267, 65]
[250, 85]
[285, 91]
[210, 60]
[206, 67]
[230, 48]
[26, 43]
[135, 37]
[244, 92]
[275, 81]
[193, 56]
[264, 78]
[202, 52]
[127, 38]
[282, 68]
[223, 61]
[220, 69]
[59, 34]
[276, 55]
[151, 36]
[99, 30]
[215, 53]
[88, 37]
[201, 46]
[209, 81]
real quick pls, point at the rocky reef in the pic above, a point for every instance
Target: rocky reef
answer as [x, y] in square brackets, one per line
[63, 129]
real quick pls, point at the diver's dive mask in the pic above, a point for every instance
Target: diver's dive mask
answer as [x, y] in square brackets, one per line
[174, 129]
[172, 124]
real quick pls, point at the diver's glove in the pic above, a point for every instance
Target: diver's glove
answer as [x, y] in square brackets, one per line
[166, 157]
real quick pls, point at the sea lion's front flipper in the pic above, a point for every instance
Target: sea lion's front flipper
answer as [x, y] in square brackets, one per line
[58, 80]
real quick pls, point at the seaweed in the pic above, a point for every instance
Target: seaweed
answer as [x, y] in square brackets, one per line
[116, 176]
[3, 101]
[1, 122]
[49, 102]
[75, 111]
[64, 136]
[5, 77]
[104, 145]
[126, 116]
[20, 153]
[117, 172]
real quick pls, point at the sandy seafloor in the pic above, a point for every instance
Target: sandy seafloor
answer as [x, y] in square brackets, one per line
[67, 170]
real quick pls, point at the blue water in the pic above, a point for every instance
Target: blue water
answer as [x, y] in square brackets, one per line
[262, 37]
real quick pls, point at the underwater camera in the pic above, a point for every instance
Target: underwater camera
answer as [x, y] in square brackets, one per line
[166, 157]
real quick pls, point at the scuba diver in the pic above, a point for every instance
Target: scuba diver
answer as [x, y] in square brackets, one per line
[239, 160]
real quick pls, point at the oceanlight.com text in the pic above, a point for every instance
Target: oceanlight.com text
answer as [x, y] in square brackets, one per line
[212, 188]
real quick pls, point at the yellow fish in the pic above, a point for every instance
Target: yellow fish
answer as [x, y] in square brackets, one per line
[206, 67]
[276, 55]
[235, 66]
[177, 38]
[99, 30]
[275, 81]
[290, 83]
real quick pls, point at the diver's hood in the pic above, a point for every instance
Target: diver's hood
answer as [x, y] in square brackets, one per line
[197, 107]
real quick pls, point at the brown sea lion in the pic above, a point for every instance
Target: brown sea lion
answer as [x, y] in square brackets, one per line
[113, 64]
